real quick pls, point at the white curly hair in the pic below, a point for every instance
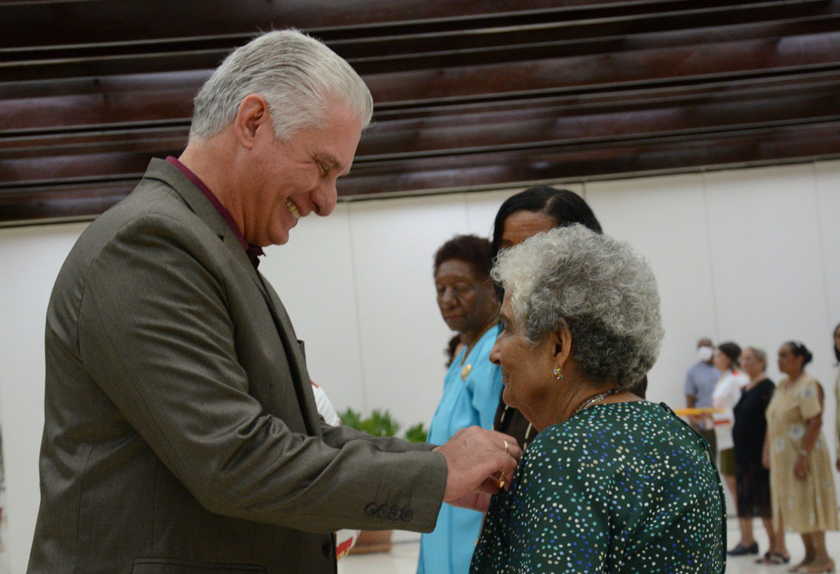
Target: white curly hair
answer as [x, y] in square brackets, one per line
[598, 287]
[295, 73]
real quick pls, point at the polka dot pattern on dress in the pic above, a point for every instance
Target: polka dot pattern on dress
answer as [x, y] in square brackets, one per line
[621, 487]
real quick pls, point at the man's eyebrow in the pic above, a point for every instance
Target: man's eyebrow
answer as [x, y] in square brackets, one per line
[329, 161]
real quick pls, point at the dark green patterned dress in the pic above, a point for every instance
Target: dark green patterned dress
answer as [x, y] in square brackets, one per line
[621, 487]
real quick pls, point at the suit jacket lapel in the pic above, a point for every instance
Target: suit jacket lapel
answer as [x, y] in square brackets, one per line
[170, 175]
[294, 350]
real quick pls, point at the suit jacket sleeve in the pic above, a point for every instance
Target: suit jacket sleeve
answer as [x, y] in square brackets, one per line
[157, 336]
[338, 436]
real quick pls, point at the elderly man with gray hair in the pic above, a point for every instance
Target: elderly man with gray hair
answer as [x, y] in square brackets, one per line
[611, 483]
[181, 435]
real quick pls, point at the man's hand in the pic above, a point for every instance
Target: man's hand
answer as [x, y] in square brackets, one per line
[478, 460]
[479, 501]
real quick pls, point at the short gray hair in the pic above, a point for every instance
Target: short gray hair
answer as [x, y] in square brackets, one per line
[759, 354]
[598, 287]
[295, 73]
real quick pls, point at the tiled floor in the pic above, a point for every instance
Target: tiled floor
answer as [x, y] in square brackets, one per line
[403, 558]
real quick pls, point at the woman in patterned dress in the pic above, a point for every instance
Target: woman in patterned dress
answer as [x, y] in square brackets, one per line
[801, 480]
[611, 483]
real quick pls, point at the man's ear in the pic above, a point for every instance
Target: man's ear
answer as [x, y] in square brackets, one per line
[253, 114]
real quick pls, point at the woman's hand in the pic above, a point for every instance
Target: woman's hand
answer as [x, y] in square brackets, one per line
[800, 469]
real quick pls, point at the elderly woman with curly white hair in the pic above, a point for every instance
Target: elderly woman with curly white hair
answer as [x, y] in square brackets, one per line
[612, 483]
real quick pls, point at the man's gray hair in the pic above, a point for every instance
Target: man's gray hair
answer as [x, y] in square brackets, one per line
[598, 287]
[295, 73]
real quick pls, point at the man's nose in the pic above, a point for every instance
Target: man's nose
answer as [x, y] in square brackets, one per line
[325, 198]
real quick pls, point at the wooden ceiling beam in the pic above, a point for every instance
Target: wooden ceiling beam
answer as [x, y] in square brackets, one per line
[74, 155]
[73, 23]
[469, 93]
[431, 175]
[114, 100]
[462, 48]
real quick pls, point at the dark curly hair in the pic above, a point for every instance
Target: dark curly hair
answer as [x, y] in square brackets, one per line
[470, 249]
[800, 350]
[562, 205]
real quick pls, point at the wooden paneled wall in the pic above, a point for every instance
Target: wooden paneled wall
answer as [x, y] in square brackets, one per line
[469, 93]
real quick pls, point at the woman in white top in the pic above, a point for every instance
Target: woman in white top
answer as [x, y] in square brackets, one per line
[725, 397]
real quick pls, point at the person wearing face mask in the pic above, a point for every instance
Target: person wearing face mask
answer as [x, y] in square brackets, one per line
[700, 382]
[801, 480]
[468, 305]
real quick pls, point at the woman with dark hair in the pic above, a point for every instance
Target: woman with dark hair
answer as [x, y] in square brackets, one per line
[523, 215]
[538, 209]
[801, 481]
[466, 297]
[725, 396]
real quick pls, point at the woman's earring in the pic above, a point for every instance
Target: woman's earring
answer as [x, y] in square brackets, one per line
[558, 375]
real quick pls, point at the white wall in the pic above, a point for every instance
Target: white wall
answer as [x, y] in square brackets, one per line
[30, 260]
[665, 219]
[749, 255]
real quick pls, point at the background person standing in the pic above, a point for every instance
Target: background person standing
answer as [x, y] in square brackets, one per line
[801, 481]
[700, 383]
[467, 301]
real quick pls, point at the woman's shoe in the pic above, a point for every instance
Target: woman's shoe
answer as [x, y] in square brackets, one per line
[741, 550]
[773, 558]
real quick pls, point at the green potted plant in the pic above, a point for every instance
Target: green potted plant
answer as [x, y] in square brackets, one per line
[379, 423]
[417, 433]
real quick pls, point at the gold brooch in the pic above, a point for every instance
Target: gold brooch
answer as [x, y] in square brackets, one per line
[465, 372]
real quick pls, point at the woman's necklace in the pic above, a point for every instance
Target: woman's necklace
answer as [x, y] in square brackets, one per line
[594, 400]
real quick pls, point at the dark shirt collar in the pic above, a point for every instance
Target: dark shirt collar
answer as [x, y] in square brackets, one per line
[254, 251]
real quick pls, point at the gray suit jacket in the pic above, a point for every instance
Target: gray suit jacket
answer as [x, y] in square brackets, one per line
[181, 435]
